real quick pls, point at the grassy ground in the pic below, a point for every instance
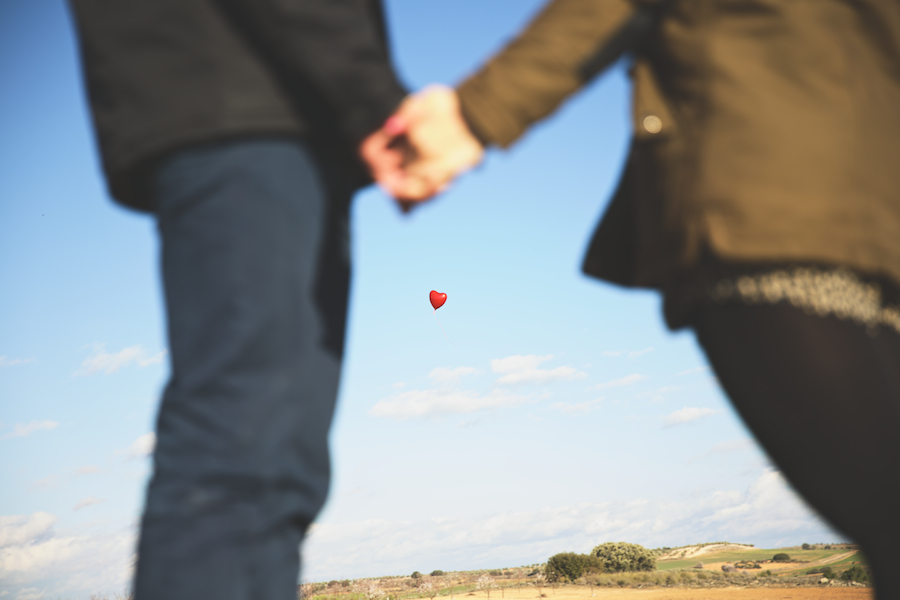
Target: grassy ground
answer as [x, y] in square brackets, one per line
[754, 554]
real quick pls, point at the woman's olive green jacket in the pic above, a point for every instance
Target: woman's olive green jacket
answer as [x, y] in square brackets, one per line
[764, 130]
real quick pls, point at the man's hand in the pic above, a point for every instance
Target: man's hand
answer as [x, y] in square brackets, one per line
[422, 148]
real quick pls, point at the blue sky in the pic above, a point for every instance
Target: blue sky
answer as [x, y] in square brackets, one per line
[560, 414]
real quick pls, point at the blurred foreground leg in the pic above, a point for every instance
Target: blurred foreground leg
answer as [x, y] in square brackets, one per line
[822, 396]
[255, 266]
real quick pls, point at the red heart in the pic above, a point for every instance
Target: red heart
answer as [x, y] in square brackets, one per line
[437, 300]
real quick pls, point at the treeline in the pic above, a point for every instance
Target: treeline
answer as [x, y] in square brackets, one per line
[611, 557]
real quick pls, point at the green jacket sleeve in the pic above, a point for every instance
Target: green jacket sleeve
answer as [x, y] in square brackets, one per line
[535, 72]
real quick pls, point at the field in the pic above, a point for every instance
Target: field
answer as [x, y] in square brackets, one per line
[714, 556]
[688, 573]
[729, 593]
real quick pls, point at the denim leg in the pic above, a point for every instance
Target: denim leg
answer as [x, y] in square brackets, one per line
[256, 270]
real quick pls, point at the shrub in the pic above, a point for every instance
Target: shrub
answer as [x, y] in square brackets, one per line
[621, 556]
[496, 573]
[829, 573]
[855, 573]
[806, 547]
[781, 557]
[416, 575]
[569, 566]
[437, 573]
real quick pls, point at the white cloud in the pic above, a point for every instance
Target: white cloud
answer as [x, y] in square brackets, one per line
[580, 408]
[43, 484]
[20, 430]
[38, 560]
[143, 446]
[19, 529]
[399, 384]
[692, 371]
[6, 361]
[101, 361]
[627, 380]
[686, 415]
[628, 353]
[725, 448]
[448, 375]
[524, 369]
[436, 403]
[765, 514]
[89, 501]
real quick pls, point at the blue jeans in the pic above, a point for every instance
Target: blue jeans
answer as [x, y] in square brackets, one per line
[255, 262]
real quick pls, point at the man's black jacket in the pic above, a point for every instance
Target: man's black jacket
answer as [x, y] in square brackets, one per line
[167, 74]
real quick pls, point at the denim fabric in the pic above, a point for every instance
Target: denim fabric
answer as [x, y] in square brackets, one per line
[255, 264]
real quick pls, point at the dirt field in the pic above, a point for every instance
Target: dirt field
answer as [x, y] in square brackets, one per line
[733, 593]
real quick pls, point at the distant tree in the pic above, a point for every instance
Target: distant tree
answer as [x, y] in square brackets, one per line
[622, 556]
[855, 573]
[447, 582]
[806, 547]
[416, 575]
[829, 573]
[539, 581]
[485, 582]
[781, 557]
[569, 566]
[437, 573]
[428, 588]
[370, 589]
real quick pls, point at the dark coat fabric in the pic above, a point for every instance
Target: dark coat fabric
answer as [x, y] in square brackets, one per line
[167, 74]
[765, 131]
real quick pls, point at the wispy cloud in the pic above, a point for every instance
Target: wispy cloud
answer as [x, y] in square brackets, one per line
[686, 415]
[101, 361]
[398, 385]
[21, 430]
[724, 448]
[524, 369]
[448, 375]
[579, 408]
[90, 501]
[692, 371]
[44, 483]
[6, 361]
[627, 380]
[143, 446]
[628, 353]
[443, 402]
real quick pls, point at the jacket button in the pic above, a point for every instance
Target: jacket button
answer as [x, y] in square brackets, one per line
[652, 124]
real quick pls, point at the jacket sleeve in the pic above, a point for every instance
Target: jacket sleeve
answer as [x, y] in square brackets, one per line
[328, 54]
[535, 72]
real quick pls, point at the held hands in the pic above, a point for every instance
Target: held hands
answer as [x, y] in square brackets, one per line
[422, 147]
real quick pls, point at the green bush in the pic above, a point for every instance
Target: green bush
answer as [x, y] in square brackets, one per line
[829, 573]
[621, 556]
[569, 566]
[416, 575]
[781, 557]
[806, 547]
[437, 573]
[855, 573]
